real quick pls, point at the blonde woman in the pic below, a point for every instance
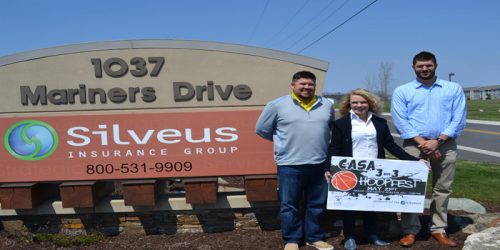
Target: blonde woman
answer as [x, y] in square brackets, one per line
[360, 132]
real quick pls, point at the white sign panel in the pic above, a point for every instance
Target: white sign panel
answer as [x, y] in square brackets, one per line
[377, 185]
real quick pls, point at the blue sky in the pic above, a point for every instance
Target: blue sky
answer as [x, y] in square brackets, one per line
[464, 35]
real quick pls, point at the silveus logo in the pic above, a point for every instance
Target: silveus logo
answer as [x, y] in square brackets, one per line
[31, 140]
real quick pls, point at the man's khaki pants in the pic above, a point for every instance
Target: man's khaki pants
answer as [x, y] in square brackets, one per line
[443, 173]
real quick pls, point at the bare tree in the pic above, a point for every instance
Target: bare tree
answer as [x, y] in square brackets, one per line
[371, 82]
[384, 75]
[380, 85]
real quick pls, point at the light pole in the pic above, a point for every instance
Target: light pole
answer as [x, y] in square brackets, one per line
[450, 75]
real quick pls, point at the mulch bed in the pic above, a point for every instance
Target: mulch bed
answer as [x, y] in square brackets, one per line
[237, 239]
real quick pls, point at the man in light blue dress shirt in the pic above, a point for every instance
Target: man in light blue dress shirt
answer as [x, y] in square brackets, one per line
[429, 113]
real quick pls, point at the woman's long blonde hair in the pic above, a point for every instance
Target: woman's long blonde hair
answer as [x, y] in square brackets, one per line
[373, 100]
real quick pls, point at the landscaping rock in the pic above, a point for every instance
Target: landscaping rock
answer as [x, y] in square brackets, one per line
[481, 222]
[485, 240]
[464, 204]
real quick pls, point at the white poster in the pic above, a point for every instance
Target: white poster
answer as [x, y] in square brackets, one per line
[377, 185]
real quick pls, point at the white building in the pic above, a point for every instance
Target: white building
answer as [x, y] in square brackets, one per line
[482, 93]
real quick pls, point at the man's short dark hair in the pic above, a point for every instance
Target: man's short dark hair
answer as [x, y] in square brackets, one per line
[424, 56]
[303, 74]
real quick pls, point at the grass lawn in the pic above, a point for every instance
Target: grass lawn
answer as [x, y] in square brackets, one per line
[477, 181]
[490, 110]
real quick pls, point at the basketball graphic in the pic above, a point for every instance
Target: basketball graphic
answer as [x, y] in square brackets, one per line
[344, 180]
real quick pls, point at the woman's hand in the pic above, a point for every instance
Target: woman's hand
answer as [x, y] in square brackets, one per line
[328, 176]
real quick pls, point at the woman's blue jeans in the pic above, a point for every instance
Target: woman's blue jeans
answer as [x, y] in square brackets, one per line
[295, 183]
